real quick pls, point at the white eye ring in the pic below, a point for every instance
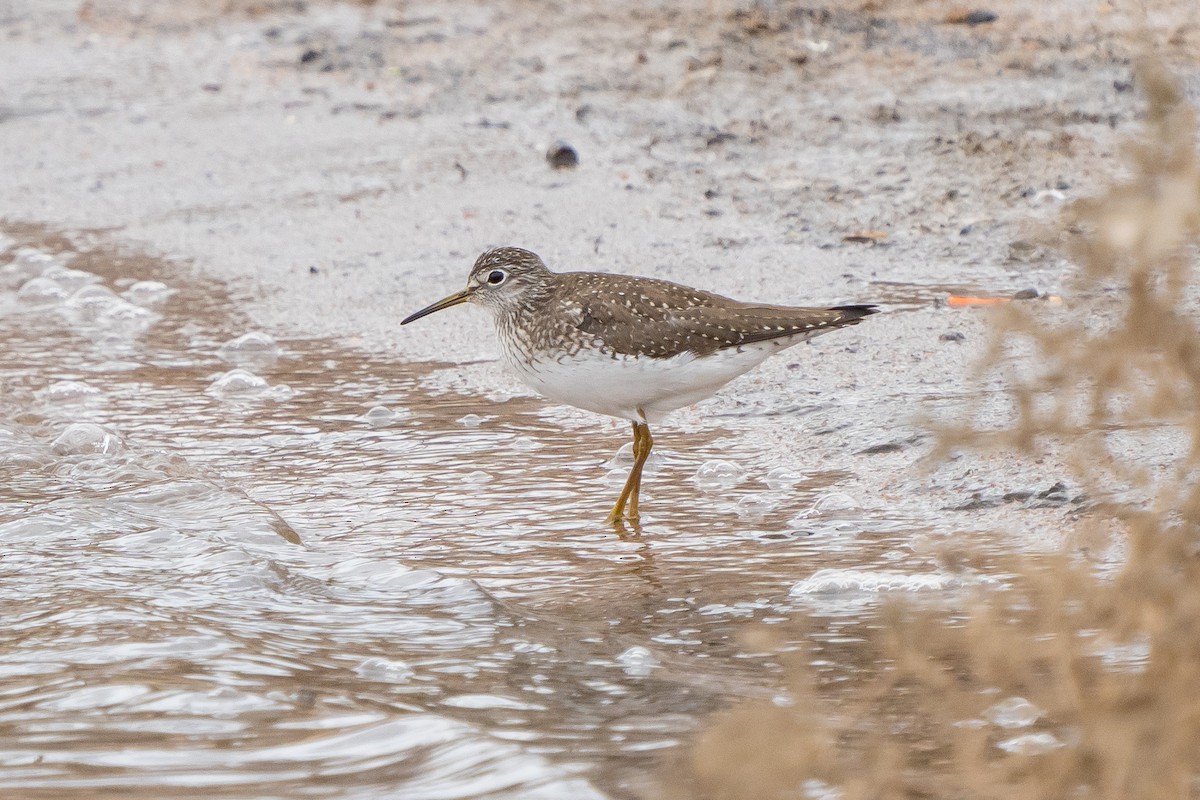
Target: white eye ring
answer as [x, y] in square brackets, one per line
[496, 277]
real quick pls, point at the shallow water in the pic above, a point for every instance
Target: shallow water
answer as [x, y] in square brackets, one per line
[236, 568]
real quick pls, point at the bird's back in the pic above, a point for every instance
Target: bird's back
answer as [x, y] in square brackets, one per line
[660, 319]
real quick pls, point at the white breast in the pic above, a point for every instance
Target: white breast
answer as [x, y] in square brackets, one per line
[636, 388]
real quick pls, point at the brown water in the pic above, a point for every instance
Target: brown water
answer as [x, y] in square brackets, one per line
[276, 591]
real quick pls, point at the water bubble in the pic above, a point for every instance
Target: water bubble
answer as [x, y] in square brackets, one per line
[380, 417]
[70, 279]
[41, 292]
[830, 503]
[718, 475]
[637, 661]
[147, 293]
[88, 303]
[31, 256]
[623, 458]
[280, 392]
[615, 478]
[384, 670]
[754, 505]
[68, 392]
[237, 383]
[470, 420]
[253, 349]
[1031, 744]
[782, 478]
[524, 444]
[1014, 712]
[126, 319]
[83, 438]
[27, 263]
[477, 478]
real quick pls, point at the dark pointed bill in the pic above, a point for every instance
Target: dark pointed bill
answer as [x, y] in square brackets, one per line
[445, 302]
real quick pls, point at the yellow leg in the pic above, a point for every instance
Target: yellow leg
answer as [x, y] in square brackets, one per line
[629, 494]
[639, 462]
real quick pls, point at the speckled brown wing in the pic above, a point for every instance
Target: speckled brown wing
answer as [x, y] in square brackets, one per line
[660, 319]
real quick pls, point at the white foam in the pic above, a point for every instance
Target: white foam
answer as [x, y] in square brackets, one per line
[834, 581]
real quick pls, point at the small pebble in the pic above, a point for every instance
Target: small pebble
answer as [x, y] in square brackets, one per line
[980, 17]
[562, 156]
[976, 17]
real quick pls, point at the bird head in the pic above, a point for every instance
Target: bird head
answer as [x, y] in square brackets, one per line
[501, 278]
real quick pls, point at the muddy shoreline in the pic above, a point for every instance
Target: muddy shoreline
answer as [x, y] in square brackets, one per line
[341, 166]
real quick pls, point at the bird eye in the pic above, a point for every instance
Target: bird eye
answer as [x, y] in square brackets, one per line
[496, 277]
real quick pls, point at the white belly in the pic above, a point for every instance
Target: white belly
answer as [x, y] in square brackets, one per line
[637, 389]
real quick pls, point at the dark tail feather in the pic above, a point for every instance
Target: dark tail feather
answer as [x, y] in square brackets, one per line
[851, 315]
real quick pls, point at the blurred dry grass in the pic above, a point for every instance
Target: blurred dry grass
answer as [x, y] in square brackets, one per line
[1107, 650]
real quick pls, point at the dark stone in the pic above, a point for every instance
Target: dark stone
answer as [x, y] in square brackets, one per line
[979, 17]
[562, 156]
[892, 446]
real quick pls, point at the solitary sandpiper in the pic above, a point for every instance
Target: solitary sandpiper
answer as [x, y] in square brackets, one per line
[635, 348]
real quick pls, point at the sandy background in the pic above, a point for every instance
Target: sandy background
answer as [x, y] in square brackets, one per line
[340, 165]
